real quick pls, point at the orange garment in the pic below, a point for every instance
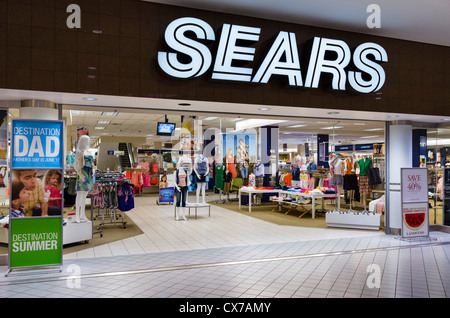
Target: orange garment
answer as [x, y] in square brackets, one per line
[349, 166]
[287, 179]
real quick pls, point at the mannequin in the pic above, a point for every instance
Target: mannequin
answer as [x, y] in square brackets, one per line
[337, 180]
[185, 162]
[83, 165]
[364, 187]
[181, 184]
[201, 169]
[350, 179]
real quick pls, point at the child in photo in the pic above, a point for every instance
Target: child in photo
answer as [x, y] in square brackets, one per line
[52, 184]
[19, 196]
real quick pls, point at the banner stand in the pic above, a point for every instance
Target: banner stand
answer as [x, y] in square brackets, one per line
[36, 197]
[38, 270]
[414, 204]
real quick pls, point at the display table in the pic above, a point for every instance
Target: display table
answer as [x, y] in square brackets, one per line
[365, 221]
[77, 232]
[72, 233]
[195, 206]
[312, 195]
[251, 191]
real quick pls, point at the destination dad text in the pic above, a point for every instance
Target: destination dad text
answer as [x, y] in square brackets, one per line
[329, 56]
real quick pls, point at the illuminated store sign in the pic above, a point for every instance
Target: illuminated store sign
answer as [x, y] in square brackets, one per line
[281, 59]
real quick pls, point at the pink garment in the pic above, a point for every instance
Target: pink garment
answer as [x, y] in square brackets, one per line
[54, 193]
[380, 207]
[146, 180]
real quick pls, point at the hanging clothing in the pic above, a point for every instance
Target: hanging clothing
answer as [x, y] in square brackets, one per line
[349, 166]
[258, 169]
[296, 174]
[219, 176]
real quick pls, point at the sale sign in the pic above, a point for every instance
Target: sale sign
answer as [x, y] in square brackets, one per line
[414, 195]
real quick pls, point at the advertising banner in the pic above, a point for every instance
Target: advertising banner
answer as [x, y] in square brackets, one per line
[414, 194]
[36, 196]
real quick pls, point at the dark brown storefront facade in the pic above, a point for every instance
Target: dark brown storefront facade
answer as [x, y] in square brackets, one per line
[115, 53]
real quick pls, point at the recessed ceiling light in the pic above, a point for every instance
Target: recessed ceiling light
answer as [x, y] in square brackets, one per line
[359, 124]
[333, 113]
[98, 127]
[111, 114]
[393, 116]
[369, 137]
[296, 126]
[97, 31]
[184, 104]
[445, 119]
[373, 129]
[264, 108]
[90, 98]
[332, 127]
[104, 134]
[103, 122]
[210, 118]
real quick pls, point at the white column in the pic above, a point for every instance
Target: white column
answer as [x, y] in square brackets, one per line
[400, 156]
[38, 109]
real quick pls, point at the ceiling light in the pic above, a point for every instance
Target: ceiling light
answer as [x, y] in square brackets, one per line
[149, 135]
[359, 124]
[210, 118]
[236, 119]
[393, 116]
[97, 31]
[296, 126]
[333, 113]
[104, 134]
[445, 119]
[103, 122]
[253, 123]
[373, 129]
[184, 104]
[110, 114]
[264, 108]
[99, 127]
[90, 98]
[332, 127]
[369, 137]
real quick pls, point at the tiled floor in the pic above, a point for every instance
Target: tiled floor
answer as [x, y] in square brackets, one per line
[233, 255]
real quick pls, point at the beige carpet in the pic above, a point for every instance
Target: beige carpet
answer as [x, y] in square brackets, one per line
[110, 233]
[268, 211]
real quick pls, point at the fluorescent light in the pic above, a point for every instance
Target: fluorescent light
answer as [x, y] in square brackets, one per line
[103, 122]
[359, 124]
[210, 118]
[373, 129]
[333, 113]
[253, 123]
[393, 116]
[104, 134]
[98, 127]
[111, 114]
[264, 108]
[369, 137]
[296, 126]
[332, 127]
[90, 98]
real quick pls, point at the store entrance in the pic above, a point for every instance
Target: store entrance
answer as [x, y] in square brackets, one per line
[298, 172]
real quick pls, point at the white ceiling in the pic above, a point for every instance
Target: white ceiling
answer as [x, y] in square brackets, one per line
[414, 20]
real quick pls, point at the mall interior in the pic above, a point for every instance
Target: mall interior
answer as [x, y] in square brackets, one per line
[204, 128]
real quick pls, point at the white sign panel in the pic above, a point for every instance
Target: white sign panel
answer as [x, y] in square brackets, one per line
[414, 185]
[414, 189]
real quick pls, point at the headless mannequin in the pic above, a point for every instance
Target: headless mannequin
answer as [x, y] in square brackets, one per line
[201, 169]
[82, 177]
[181, 185]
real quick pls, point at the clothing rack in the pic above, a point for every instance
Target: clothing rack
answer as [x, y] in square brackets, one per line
[105, 197]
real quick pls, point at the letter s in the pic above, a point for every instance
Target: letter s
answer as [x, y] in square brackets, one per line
[375, 70]
[175, 38]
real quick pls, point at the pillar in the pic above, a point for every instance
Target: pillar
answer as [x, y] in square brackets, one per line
[38, 109]
[399, 156]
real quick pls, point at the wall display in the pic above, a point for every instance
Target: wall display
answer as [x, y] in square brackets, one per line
[241, 145]
[36, 193]
[414, 194]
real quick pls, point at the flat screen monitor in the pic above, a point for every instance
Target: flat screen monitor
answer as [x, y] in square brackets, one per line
[165, 129]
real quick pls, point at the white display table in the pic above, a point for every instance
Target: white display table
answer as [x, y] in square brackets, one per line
[72, 233]
[251, 191]
[365, 221]
[77, 232]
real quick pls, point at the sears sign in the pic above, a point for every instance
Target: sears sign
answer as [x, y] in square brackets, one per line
[281, 59]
